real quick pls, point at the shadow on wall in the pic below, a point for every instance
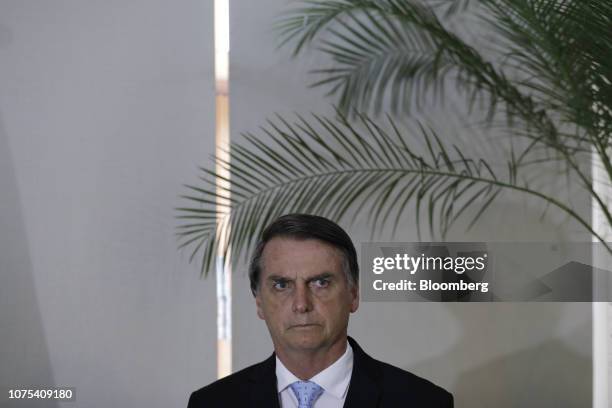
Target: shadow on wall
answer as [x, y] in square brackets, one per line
[547, 374]
[555, 377]
[24, 355]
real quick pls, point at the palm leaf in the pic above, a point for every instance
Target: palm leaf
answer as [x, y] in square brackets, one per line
[359, 169]
[552, 72]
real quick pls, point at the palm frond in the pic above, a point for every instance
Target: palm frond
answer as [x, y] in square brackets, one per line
[549, 84]
[334, 168]
[302, 24]
[392, 53]
[398, 51]
[380, 56]
[563, 48]
[377, 62]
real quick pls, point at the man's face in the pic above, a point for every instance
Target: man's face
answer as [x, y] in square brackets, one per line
[304, 295]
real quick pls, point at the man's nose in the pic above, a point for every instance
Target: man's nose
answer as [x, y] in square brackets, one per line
[302, 301]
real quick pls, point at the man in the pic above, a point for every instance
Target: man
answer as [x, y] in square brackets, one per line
[304, 276]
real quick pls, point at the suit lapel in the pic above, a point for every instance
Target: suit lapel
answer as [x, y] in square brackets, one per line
[364, 388]
[263, 392]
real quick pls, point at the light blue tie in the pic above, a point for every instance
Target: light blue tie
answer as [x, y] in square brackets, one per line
[306, 392]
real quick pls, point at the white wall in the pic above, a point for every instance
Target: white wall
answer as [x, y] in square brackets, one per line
[106, 108]
[501, 355]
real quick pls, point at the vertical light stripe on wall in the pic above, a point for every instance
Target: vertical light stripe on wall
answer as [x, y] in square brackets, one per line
[602, 311]
[223, 272]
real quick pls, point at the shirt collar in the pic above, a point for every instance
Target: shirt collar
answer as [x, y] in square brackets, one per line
[334, 379]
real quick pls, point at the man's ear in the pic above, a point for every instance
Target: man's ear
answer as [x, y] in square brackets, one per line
[354, 291]
[260, 312]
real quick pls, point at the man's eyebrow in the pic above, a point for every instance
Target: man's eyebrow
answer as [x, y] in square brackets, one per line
[324, 275]
[278, 278]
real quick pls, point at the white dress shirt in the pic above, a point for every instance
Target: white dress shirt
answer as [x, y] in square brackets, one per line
[334, 380]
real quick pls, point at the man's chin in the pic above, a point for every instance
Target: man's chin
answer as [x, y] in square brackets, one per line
[306, 338]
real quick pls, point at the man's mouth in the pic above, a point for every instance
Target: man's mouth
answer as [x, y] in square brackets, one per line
[303, 326]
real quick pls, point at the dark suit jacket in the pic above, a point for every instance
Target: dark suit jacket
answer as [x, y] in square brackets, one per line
[374, 384]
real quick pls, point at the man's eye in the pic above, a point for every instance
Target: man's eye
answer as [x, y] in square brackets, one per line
[280, 285]
[321, 283]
